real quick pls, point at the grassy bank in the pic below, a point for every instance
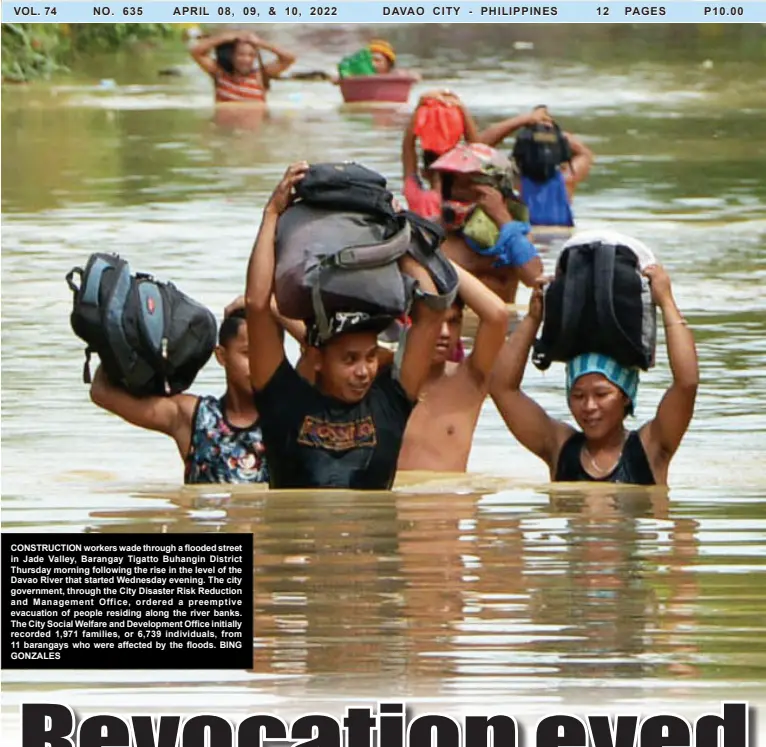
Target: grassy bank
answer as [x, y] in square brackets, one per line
[33, 51]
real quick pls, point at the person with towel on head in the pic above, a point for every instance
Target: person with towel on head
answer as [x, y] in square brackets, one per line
[383, 56]
[601, 394]
[377, 58]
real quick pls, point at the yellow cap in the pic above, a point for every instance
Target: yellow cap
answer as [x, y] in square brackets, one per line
[382, 47]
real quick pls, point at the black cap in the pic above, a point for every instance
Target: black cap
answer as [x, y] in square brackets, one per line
[345, 322]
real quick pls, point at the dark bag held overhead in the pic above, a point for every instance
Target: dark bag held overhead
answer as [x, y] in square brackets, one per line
[151, 338]
[338, 246]
[347, 186]
[539, 150]
[599, 302]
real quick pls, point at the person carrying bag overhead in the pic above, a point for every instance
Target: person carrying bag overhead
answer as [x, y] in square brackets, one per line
[601, 393]
[338, 244]
[346, 431]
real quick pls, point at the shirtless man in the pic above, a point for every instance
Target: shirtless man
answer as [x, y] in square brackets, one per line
[477, 184]
[440, 430]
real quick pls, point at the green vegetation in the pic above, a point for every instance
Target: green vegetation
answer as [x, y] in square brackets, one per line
[31, 51]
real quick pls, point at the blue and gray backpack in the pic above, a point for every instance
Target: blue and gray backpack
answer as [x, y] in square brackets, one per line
[151, 338]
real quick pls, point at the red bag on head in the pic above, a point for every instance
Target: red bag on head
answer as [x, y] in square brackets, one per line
[439, 125]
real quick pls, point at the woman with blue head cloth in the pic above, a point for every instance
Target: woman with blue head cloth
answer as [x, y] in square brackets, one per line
[601, 393]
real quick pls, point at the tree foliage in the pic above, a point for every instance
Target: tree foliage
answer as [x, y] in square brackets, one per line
[32, 51]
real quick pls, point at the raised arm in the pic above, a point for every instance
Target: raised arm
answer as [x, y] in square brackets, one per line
[496, 133]
[409, 150]
[284, 58]
[526, 420]
[514, 249]
[422, 335]
[493, 322]
[169, 415]
[470, 131]
[677, 405]
[294, 327]
[201, 51]
[530, 271]
[581, 163]
[266, 351]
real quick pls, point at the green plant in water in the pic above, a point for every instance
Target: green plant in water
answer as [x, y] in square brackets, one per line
[33, 51]
[105, 37]
[29, 51]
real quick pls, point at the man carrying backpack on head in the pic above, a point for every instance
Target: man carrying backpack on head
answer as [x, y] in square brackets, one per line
[219, 439]
[551, 163]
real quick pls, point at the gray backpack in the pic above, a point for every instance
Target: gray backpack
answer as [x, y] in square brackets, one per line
[337, 248]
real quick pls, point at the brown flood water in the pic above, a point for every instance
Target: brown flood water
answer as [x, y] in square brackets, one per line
[488, 591]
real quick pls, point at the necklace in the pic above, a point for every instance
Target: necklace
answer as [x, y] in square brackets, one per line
[594, 463]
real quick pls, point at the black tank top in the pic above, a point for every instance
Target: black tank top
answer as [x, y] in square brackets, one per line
[633, 467]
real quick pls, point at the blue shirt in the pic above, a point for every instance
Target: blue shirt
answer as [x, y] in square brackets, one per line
[548, 202]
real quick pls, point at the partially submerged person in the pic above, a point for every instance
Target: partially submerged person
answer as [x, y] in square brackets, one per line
[218, 438]
[439, 123]
[440, 431]
[383, 56]
[548, 196]
[237, 70]
[377, 58]
[345, 432]
[478, 192]
[601, 394]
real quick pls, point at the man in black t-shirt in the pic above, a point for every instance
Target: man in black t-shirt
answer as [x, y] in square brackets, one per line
[345, 432]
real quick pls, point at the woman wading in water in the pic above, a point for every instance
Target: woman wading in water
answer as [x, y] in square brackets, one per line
[601, 394]
[237, 70]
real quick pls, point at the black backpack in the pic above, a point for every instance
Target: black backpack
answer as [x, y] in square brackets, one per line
[337, 248]
[598, 302]
[539, 151]
[349, 187]
[151, 338]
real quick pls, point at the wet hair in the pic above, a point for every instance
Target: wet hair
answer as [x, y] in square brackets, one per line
[458, 304]
[446, 185]
[224, 55]
[429, 156]
[229, 328]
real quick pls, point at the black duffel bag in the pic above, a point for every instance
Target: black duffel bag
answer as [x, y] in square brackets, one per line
[338, 244]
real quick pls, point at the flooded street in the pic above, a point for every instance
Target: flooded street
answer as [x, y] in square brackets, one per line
[456, 592]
